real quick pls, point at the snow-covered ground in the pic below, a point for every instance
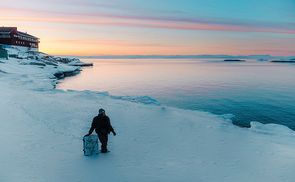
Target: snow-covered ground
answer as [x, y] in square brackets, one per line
[42, 129]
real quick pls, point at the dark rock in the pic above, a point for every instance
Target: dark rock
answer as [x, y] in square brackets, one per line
[234, 60]
[37, 63]
[282, 61]
[81, 64]
[59, 75]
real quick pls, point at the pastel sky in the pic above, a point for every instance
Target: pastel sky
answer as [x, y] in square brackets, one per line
[166, 27]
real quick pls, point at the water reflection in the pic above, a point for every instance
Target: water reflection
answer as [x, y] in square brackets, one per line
[252, 91]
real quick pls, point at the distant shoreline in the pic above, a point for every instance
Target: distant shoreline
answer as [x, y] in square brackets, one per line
[269, 57]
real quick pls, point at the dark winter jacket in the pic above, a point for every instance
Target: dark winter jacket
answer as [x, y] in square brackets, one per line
[101, 124]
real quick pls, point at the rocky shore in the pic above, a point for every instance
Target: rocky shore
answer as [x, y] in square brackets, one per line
[70, 66]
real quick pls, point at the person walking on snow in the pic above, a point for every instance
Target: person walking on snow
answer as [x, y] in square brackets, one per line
[102, 125]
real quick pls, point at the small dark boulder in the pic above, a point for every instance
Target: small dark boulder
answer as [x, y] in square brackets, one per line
[37, 63]
[59, 75]
[234, 60]
[282, 61]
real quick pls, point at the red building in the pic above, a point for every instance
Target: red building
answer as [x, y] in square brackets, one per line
[12, 37]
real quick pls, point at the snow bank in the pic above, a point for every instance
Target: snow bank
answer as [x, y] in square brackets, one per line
[42, 130]
[272, 129]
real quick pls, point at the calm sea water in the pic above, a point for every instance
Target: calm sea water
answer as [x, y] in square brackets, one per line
[251, 90]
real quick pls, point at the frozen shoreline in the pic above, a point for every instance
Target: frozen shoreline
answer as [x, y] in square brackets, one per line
[42, 128]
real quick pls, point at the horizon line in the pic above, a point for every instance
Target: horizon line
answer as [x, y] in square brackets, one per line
[177, 55]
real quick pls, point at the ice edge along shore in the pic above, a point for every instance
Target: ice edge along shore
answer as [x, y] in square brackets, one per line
[41, 129]
[61, 68]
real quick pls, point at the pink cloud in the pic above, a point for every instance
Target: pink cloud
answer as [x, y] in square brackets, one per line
[142, 21]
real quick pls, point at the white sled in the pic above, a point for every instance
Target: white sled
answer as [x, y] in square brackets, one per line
[90, 145]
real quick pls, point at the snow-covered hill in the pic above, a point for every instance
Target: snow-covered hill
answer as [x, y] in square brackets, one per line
[42, 129]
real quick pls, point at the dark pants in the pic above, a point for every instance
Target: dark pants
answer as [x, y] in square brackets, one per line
[103, 138]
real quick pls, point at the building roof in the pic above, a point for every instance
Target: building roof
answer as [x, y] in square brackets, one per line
[27, 35]
[7, 29]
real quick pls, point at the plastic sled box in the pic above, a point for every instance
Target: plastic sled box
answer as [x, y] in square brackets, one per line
[90, 145]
